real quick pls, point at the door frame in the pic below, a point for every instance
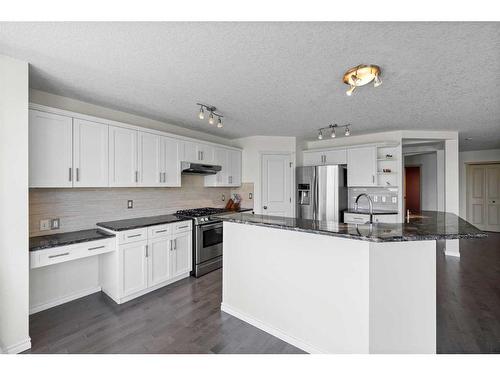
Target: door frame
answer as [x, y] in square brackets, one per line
[419, 180]
[468, 166]
[292, 158]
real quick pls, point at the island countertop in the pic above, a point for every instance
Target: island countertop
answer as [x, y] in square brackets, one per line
[427, 225]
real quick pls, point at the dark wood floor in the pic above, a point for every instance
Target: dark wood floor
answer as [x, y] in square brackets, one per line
[185, 317]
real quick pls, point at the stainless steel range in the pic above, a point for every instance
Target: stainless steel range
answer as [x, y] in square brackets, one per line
[207, 239]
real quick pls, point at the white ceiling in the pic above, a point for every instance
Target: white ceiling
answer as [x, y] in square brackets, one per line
[274, 78]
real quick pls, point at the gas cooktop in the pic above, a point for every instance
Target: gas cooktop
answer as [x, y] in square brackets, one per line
[198, 212]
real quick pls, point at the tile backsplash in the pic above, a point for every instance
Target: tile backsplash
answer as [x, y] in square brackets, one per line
[82, 208]
[382, 198]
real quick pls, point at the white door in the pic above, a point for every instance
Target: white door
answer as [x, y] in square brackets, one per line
[50, 150]
[181, 254]
[149, 160]
[122, 157]
[158, 261]
[171, 164]
[90, 153]
[133, 268]
[362, 166]
[483, 196]
[234, 167]
[276, 185]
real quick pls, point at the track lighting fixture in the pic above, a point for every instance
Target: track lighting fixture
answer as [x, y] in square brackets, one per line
[331, 128]
[211, 117]
[360, 76]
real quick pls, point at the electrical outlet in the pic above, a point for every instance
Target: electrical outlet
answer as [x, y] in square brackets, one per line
[250, 196]
[45, 224]
[223, 197]
[55, 223]
[394, 199]
[130, 203]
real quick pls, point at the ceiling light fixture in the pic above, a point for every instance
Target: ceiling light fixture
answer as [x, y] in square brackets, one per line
[211, 117]
[331, 128]
[362, 75]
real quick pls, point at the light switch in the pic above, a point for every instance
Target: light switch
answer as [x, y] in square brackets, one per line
[54, 223]
[394, 199]
[223, 197]
[45, 224]
[383, 198]
[250, 196]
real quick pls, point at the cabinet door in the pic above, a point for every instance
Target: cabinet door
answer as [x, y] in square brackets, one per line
[90, 154]
[335, 156]
[206, 153]
[122, 157]
[171, 164]
[234, 167]
[181, 254]
[149, 159]
[221, 178]
[50, 150]
[190, 152]
[133, 268]
[158, 260]
[361, 166]
[313, 158]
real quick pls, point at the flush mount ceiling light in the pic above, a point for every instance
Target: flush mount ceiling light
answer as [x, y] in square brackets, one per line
[212, 114]
[362, 75]
[331, 128]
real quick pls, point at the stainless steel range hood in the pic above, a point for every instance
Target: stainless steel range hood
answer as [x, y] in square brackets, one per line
[199, 169]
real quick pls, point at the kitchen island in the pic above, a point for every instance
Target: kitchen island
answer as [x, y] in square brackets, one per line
[329, 287]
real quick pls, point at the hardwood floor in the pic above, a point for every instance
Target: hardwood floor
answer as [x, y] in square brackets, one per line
[185, 317]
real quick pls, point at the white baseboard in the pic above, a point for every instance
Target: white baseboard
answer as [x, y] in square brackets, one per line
[271, 330]
[19, 347]
[60, 301]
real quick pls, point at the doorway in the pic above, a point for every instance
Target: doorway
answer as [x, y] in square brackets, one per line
[412, 188]
[483, 196]
[276, 184]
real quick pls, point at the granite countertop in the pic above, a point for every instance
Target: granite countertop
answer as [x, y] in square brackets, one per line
[140, 222]
[68, 238]
[428, 225]
[367, 211]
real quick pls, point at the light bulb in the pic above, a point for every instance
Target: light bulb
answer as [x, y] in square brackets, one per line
[350, 91]
[333, 135]
[219, 123]
[347, 132]
[320, 135]
[201, 115]
[377, 81]
[211, 119]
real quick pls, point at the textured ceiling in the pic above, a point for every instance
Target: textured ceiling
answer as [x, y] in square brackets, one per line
[274, 78]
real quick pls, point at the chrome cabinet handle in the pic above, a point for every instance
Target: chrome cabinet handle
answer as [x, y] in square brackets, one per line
[70, 174]
[265, 207]
[58, 255]
[373, 178]
[134, 235]
[147, 253]
[136, 176]
[78, 174]
[171, 245]
[161, 231]
[185, 226]
[175, 243]
[97, 247]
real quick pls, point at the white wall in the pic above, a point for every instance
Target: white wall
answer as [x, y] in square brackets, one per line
[466, 157]
[428, 178]
[253, 148]
[14, 262]
[68, 104]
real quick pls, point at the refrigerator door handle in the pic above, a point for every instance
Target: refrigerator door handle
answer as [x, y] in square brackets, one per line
[315, 194]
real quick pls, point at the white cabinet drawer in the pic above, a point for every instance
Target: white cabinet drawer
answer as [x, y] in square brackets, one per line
[133, 235]
[41, 258]
[159, 231]
[182, 226]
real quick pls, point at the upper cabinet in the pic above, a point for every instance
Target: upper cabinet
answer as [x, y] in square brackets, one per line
[234, 168]
[149, 159]
[123, 157]
[170, 162]
[90, 154]
[230, 174]
[198, 152]
[50, 150]
[362, 166]
[325, 157]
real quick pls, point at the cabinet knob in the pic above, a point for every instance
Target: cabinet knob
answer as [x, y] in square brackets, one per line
[265, 207]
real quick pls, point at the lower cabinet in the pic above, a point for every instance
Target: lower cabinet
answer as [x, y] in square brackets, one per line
[147, 259]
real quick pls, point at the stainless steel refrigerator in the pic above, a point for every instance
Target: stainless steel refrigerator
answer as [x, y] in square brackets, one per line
[321, 192]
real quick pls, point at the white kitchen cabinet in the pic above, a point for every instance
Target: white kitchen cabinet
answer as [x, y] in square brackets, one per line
[181, 254]
[362, 166]
[158, 260]
[325, 157]
[133, 268]
[50, 150]
[149, 160]
[90, 154]
[221, 177]
[122, 157]
[170, 162]
[234, 168]
[198, 152]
